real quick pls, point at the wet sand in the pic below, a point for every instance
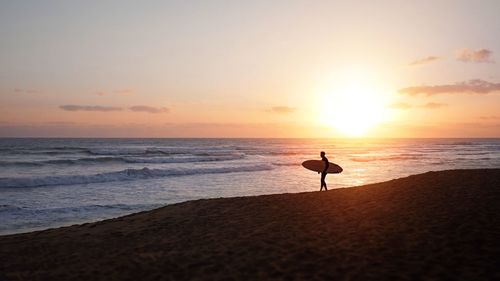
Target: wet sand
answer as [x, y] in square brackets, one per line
[433, 226]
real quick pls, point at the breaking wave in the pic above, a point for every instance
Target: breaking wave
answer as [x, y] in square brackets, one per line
[108, 159]
[123, 175]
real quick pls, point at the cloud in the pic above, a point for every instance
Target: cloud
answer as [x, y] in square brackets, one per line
[468, 55]
[429, 105]
[71, 107]
[26, 91]
[282, 109]
[425, 60]
[476, 86]
[491, 117]
[149, 109]
[433, 105]
[136, 108]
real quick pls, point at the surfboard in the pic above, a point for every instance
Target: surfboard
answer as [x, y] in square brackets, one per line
[319, 165]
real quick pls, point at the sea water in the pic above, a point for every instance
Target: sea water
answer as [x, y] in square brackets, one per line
[54, 182]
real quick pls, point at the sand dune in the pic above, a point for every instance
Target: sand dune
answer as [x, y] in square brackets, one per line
[434, 226]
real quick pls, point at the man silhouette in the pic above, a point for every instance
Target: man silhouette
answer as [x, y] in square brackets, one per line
[323, 173]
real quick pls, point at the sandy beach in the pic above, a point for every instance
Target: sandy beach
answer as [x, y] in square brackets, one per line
[433, 226]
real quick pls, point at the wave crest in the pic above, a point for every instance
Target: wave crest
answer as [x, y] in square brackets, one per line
[123, 175]
[107, 159]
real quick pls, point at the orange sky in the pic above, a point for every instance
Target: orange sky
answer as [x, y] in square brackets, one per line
[250, 69]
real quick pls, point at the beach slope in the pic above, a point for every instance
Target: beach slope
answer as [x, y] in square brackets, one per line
[433, 226]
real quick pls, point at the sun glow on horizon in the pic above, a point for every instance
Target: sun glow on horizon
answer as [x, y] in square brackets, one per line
[355, 103]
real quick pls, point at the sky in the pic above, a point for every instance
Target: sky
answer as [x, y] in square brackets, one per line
[290, 68]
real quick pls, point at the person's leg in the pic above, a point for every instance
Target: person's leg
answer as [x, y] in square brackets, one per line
[323, 183]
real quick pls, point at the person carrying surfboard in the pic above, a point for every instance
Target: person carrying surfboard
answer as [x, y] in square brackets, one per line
[322, 167]
[323, 173]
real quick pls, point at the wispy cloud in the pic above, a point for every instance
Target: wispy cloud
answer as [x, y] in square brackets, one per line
[99, 108]
[490, 117]
[72, 107]
[468, 55]
[433, 105]
[426, 60]
[149, 109]
[476, 86]
[27, 91]
[429, 105]
[282, 109]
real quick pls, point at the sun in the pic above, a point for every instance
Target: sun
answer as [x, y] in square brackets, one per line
[354, 104]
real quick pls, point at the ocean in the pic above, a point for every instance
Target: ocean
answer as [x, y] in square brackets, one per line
[48, 183]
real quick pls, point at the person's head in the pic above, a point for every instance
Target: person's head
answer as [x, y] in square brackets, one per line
[322, 154]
